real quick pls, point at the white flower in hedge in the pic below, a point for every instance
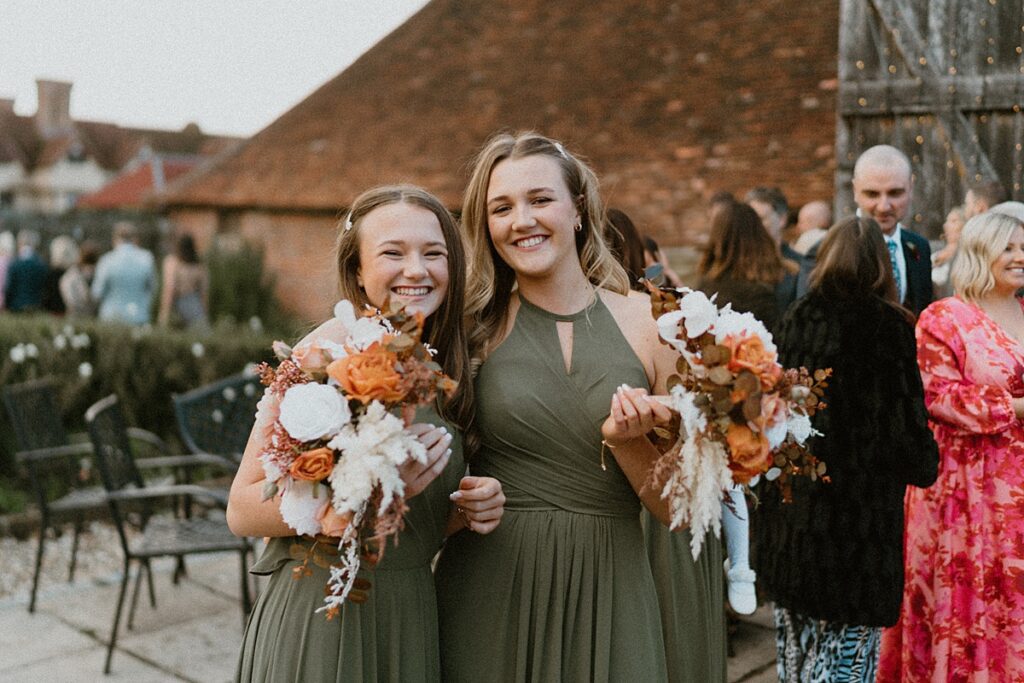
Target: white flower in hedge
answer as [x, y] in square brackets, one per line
[313, 411]
[198, 350]
[255, 324]
[229, 394]
[60, 342]
[85, 370]
[18, 353]
[31, 350]
[68, 331]
[80, 341]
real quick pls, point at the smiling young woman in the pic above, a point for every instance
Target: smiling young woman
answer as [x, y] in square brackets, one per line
[562, 590]
[397, 243]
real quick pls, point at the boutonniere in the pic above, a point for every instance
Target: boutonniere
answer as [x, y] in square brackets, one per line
[914, 253]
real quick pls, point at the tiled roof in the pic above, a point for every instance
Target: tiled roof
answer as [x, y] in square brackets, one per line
[669, 100]
[133, 188]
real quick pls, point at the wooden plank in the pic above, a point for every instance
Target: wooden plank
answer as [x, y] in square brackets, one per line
[907, 96]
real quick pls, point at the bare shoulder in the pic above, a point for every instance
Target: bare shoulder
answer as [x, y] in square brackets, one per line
[331, 330]
[632, 312]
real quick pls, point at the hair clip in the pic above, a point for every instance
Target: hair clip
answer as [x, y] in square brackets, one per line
[348, 221]
[561, 150]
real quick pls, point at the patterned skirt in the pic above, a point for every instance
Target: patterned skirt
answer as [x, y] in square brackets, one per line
[815, 651]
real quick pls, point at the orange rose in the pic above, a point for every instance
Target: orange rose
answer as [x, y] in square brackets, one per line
[313, 465]
[749, 453]
[748, 353]
[332, 523]
[369, 375]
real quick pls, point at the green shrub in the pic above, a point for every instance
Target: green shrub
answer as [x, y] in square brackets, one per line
[241, 289]
[143, 366]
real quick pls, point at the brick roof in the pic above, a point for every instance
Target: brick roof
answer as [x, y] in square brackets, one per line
[670, 101]
[135, 187]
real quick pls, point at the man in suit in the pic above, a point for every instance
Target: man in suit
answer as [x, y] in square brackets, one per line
[883, 187]
[23, 291]
[125, 280]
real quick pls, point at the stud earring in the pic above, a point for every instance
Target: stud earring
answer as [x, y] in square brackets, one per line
[579, 225]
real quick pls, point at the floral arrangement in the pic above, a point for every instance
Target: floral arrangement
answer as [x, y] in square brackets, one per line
[334, 442]
[741, 414]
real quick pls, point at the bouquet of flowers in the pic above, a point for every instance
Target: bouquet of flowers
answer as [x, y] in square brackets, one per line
[334, 443]
[741, 414]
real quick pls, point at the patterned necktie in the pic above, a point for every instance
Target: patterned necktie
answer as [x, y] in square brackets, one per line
[891, 244]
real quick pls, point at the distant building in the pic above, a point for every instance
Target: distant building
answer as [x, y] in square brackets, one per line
[670, 101]
[48, 161]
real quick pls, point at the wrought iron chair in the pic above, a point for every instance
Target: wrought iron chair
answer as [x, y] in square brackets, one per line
[59, 468]
[131, 503]
[217, 418]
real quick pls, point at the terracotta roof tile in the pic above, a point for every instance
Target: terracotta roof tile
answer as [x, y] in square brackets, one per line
[135, 187]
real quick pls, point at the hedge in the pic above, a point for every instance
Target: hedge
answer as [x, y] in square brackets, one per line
[142, 365]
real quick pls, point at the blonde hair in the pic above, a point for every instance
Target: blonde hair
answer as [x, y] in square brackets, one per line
[63, 252]
[983, 238]
[444, 330]
[491, 280]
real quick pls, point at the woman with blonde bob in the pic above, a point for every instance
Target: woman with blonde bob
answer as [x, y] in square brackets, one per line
[963, 603]
[397, 243]
[562, 590]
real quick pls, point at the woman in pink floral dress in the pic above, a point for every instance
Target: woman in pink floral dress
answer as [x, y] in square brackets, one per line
[962, 617]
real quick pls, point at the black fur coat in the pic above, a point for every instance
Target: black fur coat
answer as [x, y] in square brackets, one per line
[836, 552]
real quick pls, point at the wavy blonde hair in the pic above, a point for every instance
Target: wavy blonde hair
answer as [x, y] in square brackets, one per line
[444, 330]
[982, 239]
[491, 280]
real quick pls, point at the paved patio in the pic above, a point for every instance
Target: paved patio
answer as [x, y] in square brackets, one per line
[193, 634]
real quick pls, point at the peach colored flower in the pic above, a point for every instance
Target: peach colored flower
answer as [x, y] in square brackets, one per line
[332, 523]
[313, 465]
[749, 353]
[774, 419]
[310, 357]
[369, 375]
[749, 453]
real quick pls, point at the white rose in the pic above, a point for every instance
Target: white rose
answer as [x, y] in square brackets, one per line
[300, 508]
[699, 311]
[313, 411]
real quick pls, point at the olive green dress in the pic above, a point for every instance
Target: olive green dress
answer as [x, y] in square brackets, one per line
[391, 637]
[562, 589]
[691, 595]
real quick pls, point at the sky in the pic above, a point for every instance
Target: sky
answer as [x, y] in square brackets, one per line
[231, 66]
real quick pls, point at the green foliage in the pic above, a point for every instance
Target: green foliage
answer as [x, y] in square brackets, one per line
[241, 289]
[90, 360]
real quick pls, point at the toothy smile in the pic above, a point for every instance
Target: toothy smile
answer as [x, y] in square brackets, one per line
[527, 242]
[411, 291]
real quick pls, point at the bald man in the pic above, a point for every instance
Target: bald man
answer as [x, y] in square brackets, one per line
[883, 187]
[811, 224]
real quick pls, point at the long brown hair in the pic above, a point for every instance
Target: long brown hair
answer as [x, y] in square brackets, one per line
[444, 330]
[853, 263]
[626, 245]
[740, 248]
[490, 279]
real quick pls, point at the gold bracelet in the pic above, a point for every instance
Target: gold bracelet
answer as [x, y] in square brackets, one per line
[604, 444]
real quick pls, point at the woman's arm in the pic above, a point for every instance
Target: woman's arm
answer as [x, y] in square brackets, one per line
[166, 291]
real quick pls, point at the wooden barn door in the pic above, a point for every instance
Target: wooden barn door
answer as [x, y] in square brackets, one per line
[943, 80]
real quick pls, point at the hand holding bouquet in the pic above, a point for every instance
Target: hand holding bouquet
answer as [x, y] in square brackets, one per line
[334, 446]
[741, 414]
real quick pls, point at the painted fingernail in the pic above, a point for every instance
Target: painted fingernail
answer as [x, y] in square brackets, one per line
[457, 495]
[448, 453]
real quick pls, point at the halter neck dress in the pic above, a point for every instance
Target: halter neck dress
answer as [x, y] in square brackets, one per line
[562, 589]
[391, 637]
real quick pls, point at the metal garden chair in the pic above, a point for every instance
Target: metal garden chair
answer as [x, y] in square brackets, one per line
[132, 503]
[217, 418]
[59, 468]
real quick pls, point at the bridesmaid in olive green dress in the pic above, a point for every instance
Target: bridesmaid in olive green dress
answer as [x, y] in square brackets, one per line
[562, 590]
[398, 242]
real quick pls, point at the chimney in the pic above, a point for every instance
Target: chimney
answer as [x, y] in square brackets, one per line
[6, 105]
[53, 117]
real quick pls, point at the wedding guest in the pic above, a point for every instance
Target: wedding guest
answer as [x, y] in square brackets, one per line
[6, 258]
[184, 292]
[63, 255]
[812, 223]
[832, 559]
[125, 280]
[76, 281]
[653, 255]
[942, 260]
[562, 589]
[963, 602]
[772, 208]
[626, 245]
[23, 291]
[1012, 209]
[398, 243]
[981, 196]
